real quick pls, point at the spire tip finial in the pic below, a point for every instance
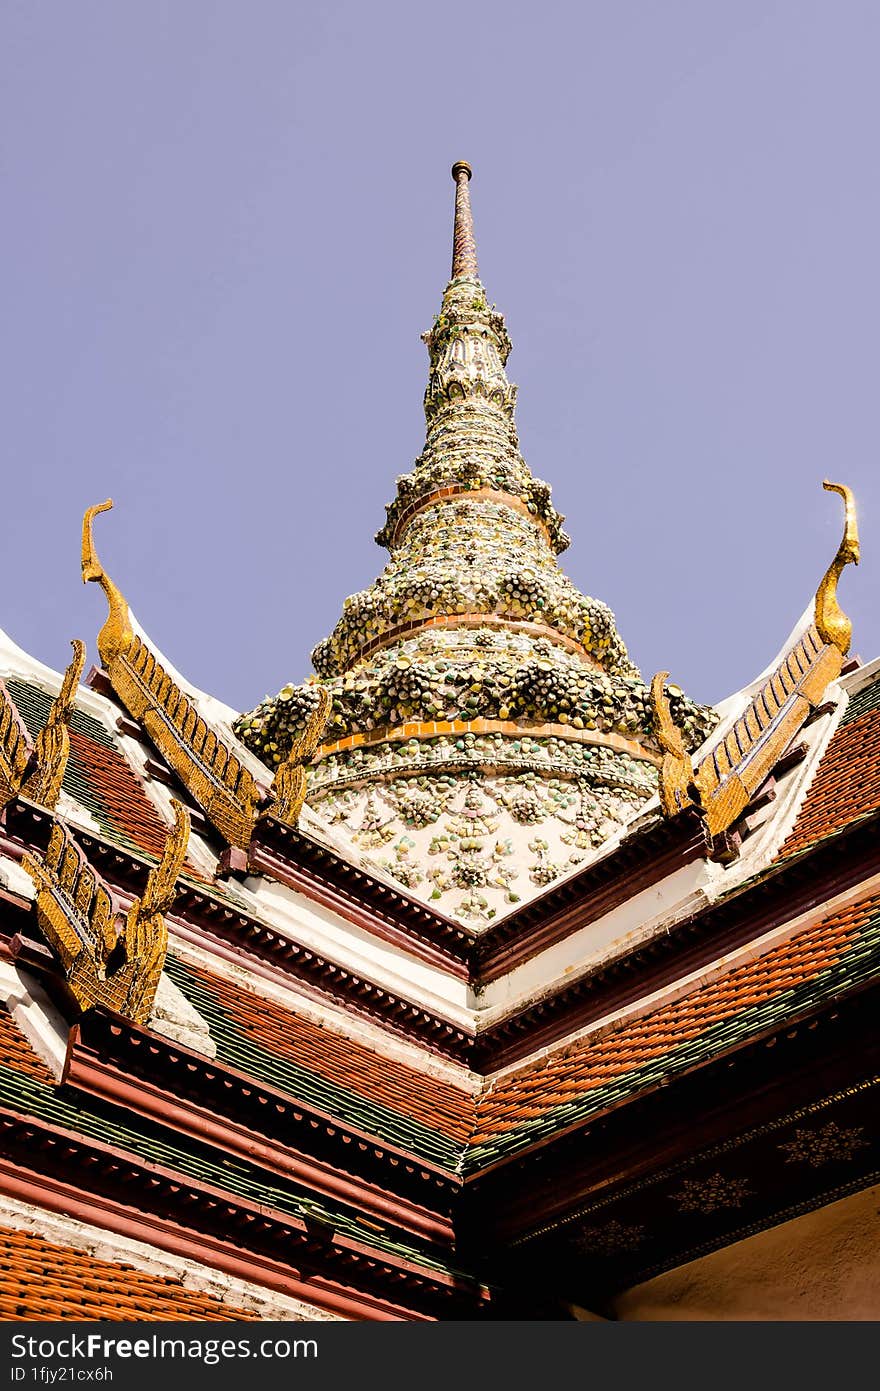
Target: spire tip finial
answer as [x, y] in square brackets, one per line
[464, 248]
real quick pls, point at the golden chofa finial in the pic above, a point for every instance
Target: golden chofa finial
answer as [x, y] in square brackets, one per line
[676, 771]
[116, 633]
[832, 624]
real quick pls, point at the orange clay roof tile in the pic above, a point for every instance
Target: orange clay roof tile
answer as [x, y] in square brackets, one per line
[846, 785]
[41, 1279]
[341, 1060]
[16, 1052]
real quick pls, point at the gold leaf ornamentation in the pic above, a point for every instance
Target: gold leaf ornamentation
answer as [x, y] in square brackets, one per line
[15, 748]
[614, 1237]
[827, 1144]
[733, 770]
[708, 1194]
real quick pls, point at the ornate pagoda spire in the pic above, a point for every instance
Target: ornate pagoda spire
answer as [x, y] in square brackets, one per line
[487, 728]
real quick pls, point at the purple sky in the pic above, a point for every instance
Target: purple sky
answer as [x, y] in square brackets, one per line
[225, 226]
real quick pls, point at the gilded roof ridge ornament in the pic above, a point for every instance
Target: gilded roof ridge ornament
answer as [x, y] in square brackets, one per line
[464, 246]
[832, 624]
[116, 634]
[677, 770]
[106, 961]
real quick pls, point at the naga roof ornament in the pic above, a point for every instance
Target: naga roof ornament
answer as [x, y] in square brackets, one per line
[733, 770]
[203, 757]
[110, 957]
[486, 727]
[36, 770]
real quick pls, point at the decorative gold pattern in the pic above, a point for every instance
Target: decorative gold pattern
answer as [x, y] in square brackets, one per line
[613, 1236]
[677, 771]
[36, 771]
[730, 775]
[827, 1144]
[107, 961]
[711, 1193]
[290, 782]
[832, 623]
[225, 790]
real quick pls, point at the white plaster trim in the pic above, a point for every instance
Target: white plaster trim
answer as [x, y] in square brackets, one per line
[151, 1260]
[38, 1019]
[328, 1016]
[16, 880]
[687, 985]
[866, 675]
[641, 917]
[293, 915]
[174, 1016]
[14, 661]
[78, 815]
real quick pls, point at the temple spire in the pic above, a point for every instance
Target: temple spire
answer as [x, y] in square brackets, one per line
[464, 247]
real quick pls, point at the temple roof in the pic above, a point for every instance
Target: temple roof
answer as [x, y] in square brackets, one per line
[475, 942]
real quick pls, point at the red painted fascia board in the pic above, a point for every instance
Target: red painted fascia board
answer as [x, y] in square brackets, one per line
[98, 1211]
[76, 1146]
[175, 1055]
[85, 1071]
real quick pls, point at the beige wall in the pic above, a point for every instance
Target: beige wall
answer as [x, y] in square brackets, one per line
[824, 1265]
